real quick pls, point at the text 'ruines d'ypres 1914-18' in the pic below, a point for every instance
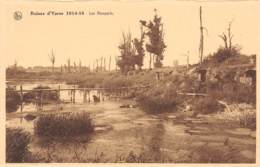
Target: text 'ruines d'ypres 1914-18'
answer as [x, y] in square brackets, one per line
[71, 13]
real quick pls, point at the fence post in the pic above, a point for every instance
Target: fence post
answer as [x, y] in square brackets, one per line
[84, 94]
[59, 100]
[71, 95]
[102, 93]
[74, 93]
[99, 94]
[59, 93]
[89, 96]
[21, 97]
[41, 101]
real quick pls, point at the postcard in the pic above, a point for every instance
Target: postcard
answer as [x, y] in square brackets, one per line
[129, 83]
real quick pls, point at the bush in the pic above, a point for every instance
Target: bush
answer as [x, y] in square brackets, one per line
[221, 56]
[12, 100]
[159, 99]
[114, 82]
[206, 105]
[88, 80]
[233, 92]
[63, 124]
[16, 145]
[46, 95]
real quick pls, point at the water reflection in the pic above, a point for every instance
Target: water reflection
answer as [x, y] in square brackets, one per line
[155, 144]
[65, 96]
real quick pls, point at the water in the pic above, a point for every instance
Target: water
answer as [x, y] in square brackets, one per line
[65, 95]
[131, 135]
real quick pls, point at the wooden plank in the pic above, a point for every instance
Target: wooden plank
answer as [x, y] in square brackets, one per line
[192, 94]
[64, 89]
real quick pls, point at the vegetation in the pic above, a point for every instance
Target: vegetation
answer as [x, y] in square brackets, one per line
[47, 96]
[156, 45]
[132, 50]
[234, 93]
[64, 124]
[206, 105]
[221, 55]
[116, 81]
[126, 61]
[159, 99]
[16, 145]
[248, 119]
[12, 100]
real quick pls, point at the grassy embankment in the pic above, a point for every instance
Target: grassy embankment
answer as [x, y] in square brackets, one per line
[222, 87]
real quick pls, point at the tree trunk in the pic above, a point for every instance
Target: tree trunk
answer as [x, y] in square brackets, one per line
[109, 63]
[150, 61]
[153, 60]
[201, 37]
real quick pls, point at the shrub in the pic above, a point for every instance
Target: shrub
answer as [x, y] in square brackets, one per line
[16, 145]
[159, 99]
[63, 124]
[234, 92]
[88, 80]
[114, 82]
[221, 56]
[206, 105]
[46, 95]
[12, 100]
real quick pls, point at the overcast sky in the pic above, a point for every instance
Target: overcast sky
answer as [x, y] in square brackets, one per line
[30, 40]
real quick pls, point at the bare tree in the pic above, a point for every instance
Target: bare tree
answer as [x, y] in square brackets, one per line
[101, 63]
[65, 68]
[97, 66]
[80, 65]
[104, 63]
[227, 37]
[202, 28]
[93, 66]
[109, 63]
[68, 64]
[52, 59]
[224, 38]
[15, 64]
[230, 35]
[187, 59]
[75, 66]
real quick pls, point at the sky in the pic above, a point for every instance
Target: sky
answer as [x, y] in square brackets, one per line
[30, 40]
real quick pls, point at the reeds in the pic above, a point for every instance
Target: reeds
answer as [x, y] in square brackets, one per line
[12, 100]
[16, 144]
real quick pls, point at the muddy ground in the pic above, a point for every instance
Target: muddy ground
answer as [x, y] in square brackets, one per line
[131, 135]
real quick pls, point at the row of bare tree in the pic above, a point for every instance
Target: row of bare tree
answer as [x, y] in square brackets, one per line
[98, 65]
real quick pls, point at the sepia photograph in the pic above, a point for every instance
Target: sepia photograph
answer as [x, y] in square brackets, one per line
[130, 81]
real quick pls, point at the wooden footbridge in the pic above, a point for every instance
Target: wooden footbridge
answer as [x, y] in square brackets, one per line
[100, 93]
